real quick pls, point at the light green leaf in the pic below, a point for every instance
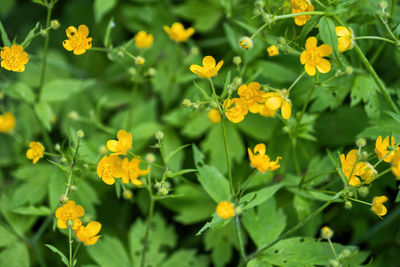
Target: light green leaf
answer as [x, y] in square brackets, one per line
[186, 258]
[215, 184]
[61, 89]
[256, 198]
[32, 210]
[20, 91]
[4, 37]
[29, 36]
[328, 35]
[109, 252]
[102, 7]
[6, 236]
[44, 112]
[15, 255]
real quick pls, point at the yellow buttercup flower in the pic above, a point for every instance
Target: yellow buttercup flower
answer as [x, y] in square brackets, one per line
[262, 161]
[123, 144]
[299, 6]
[35, 152]
[14, 58]
[252, 96]
[266, 112]
[131, 171]
[88, 234]
[144, 39]
[209, 68]
[275, 100]
[69, 212]
[78, 40]
[214, 116]
[273, 51]
[225, 210]
[246, 43]
[109, 168]
[178, 33]
[396, 163]
[362, 170]
[7, 122]
[312, 57]
[345, 38]
[377, 205]
[235, 109]
[381, 148]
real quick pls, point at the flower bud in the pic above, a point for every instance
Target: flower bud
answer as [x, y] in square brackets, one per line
[159, 135]
[383, 5]
[152, 71]
[349, 70]
[246, 43]
[163, 191]
[70, 223]
[150, 157]
[55, 24]
[127, 194]
[103, 150]
[237, 81]
[196, 106]
[348, 205]
[63, 160]
[361, 142]
[74, 188]
[63, 199]
[57, 147]
[73, 115]
[120, 54]
[345, 253]
[139, 60]
[326, 232]
[43, 33]
[259, 4]
[194, 51]
[132, 71]
[157, 185]
[186, 103]
[237, 60]
[363, 191]
[334, 263]
[80, 134]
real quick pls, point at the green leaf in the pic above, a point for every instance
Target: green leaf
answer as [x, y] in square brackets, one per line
[109, 252]
[364, 89]
[198, 156]
[107, 40]
[45, 113]
[328, 35]
[265, 225]
[275, 72]
[61, 89]
[258, 197]
[258, 127]
[4, 37]
[28, 37]
[20, 91]
[32, 210]
[181, 172]
[39, 2]
[186, 258]
[174, 152]
[196, 126]
[215, 184]
[6, 237]
[102, 7]
[15, 255]
[55, 250]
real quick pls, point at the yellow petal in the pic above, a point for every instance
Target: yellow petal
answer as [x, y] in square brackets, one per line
[380, 199]
[79, 51]
[108, 180]
[61, 224]
[67, 45]
[323, 65]
[71, 31]
[273, 102]
[209, 61]
[112, 145]
[311, 42]
[93, 228]
[325, 50]
[260, 149]
[254, 86]
[219, 65]
[342, 31]
[286, 110]
[83, 30]
[303, 57]
[310, 69]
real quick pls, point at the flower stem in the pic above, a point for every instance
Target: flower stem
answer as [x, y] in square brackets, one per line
[70, 247]
[71, 170]
[76, 250]
[375, 38]
[46, 46]
[146, 235]
[228, 163]
[332, 248]
[236, 223]
[296, 81]
[306, 103]
[243, 189]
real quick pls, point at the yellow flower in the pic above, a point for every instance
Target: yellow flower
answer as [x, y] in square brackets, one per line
[252, 96]
[237, 112]
[266, 112]
[109, 168]
[88, 234]
[144, 40]
[14, 58]
[131, 171]
[261, 161]
[273, 51]
[209, 69]
[7, 122]
[178, 33]
[78, 40]
[246, 43]
[326, 232]
[139, 60]
[275, 100]
[381, 148]
[69, 211]
[377, 205]
[225, 210]
[312, 57]
[344, 38]
[35, 152]
[362, 170]
[396, 163]
[299, 6]
[214, 116]
[123, 144]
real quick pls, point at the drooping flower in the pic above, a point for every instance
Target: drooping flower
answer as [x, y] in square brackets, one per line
[7, 122]
[252, 96]
[144, 40]
[299, 6]
[123, 144]
[88, 234]
[381, 148]
[131, 171]
[262, 161]
[396, 164]
[362, 170]
[178, 33]
[345, 38]
[14, 58]
[225, 210]
[109, 168]
[377, 205]
[69, 212]
[235, 109]
[78, 40]
[275, 100]
[312, 57]
[273, 51]
[35, 152]
[214, 116]
[209, 68]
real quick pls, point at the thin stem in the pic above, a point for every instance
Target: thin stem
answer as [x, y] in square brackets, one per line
[302, 182]
[332, 248]
[375, 38]
[359, 201]
[215, 95]
[76, 251]
[239, 236]
[151, 164]
[99, 49]
[384, 22]
[306, 104]
[376, 177]
[70, 246]
[46, 47]
[228, 163]
[387, 154]
[296, 81]
[295, 160]
[146, 235]
[259, 30]
[392, 8]
[243, 189]
[71, 170]
[319, 3]
[128, 54]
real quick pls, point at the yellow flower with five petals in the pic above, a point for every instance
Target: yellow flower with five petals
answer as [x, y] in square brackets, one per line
[88, 234]
[69, 212]
[78, 40]
[144, 40]
[14, 58]
[7, 122]
[235, 109]
[131, 171]
[209, 68]
[261, 160]
[35, 152]
[252, 95]
[313, 57]
[299, 6]
[362, 170]
[275, 100]
[178, 33]
[109, 168]
[123, 144]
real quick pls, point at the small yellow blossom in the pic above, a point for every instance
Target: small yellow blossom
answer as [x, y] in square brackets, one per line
[396, 163]
[14, 58]
[109, 168]
[88, 234]
[123, 144]
[275, 100]
[377, 205]
[144, 39]
[139, 60]
[381, 148]
[35, 152]
[273, 51]
[78, 40]
[266, 112]
[214, 116]
[326, 232]
[362, 170]
[252, 96]
[209, 69]
[262, 161]
[225, 210]
[312, 57]
[246, 43]
[178, 33]
[299, 6]
[237, 112]
[345, 38]
[131, 171]
[7, 122]
[69, 211]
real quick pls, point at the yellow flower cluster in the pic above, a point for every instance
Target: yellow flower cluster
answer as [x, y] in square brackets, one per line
[7, 122]
[299, 6]
[262, 161]
[209, 68]
[387, 151]
[35, 152]
[111, 167]
[68, 217]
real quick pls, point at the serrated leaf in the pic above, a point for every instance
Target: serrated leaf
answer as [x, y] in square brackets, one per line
[328, 35]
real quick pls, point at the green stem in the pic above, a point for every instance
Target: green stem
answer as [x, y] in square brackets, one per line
[146, 235]
[295, 160]
[387, 154]
[319, 3]
[384, 22]
[228, 163]
[151, 164]
[359, 201]
[392, 8]
[71, 170]
[375, 38]
[70, 246]
[76, 251]
[243, 189]
[332, 248]
[302, 182]
[46, 47]
[215, 95]
[306, 104]
[296, 81]
[239, 236]
[100, 49]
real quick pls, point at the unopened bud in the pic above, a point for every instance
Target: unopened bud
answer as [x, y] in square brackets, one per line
[186, 103]
[70, 223]
[159, 135]
[246, 43]
[361, 142]
[363, 191]
[57, 147]
[139, 60]
[63, 199]
[150, 157]
[43, 32]
[74, 188]
[163, 191]
[348, 205]
[326, 232]
[157, 185]
[132, 71]
[127, 194]
[237, 81]
[345, 253]
[349, 70]
[238, 210]
[259, 4]
[383, 5]
[63, 160]
[103, 150]
[194, 51]
[152, 71]
[120, 54]
[73, 115]
[334, 263]
[237, 60]
[80, 134]
[196, 106]
[55, 24]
